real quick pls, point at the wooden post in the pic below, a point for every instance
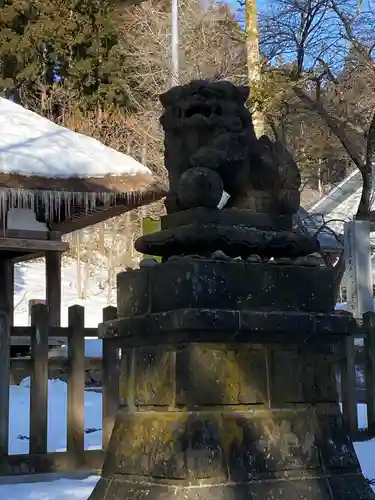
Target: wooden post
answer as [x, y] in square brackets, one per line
[53, 287]
[110, 380]
[348, 386]
[76, 380]
[4, 382]
[7, 288]
[39, 380]
[369, 327]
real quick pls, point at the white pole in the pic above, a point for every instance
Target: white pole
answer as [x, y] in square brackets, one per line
[175, 44]
[358, 267]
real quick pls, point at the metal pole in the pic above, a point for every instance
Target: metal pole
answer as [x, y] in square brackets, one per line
[175, 44]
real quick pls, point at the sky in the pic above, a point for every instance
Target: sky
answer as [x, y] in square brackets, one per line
[235, 4]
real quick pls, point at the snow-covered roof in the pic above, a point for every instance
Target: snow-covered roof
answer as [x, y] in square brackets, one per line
[31, 145]
[63, 174]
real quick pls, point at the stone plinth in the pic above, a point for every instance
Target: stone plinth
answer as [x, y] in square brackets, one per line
[228, 387]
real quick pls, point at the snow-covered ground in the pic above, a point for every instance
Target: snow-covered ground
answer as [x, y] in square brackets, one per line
[62, 489]
[57, 411]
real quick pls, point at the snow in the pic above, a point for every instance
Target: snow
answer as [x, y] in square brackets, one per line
[24, 220]
[32, 145]
[19, 443]
[57, 417]
[30, 284]
[62, 489]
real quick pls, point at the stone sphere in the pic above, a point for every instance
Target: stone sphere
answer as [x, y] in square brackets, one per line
[200, 187]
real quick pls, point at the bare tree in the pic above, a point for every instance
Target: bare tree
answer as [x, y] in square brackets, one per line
[313, 36]
[323, 51]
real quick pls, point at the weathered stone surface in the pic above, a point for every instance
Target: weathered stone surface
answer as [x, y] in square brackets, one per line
[231, 375]
[200, 320]
[243, 445]
[126, 392]
[150, 445]
[204, 452]
[336, 447]
[219, 325]
[309, 489]
[298, 377]
[232, 240]
[154, 377]
[133, 292]
[227, 285]
[268, 443]
[226, 216]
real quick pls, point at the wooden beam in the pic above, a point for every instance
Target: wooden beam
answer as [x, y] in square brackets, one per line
[80, 219]
[30, 235]
[53, 331]
[15, 233]
[85, 220]
[27, 257]
[53, 287]
[25, 245]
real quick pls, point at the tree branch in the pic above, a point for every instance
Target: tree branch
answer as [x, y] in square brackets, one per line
[334, 124]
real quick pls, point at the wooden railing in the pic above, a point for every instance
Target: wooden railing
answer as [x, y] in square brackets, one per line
[75, 458]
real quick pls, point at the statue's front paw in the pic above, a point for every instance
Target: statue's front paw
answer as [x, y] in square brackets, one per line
[200, 187]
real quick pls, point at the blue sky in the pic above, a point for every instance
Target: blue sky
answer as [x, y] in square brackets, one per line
[235, 4]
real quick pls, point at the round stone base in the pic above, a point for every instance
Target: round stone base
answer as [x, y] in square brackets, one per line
[353, 487]
[234, 241]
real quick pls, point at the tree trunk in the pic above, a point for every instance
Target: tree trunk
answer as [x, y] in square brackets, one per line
[253, 63]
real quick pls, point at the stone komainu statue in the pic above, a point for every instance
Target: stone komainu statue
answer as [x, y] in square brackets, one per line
[211, 147]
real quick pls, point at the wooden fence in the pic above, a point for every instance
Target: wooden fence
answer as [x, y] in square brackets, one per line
[75, 458]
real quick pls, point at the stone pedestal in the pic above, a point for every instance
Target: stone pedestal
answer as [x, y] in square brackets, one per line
[228, 387]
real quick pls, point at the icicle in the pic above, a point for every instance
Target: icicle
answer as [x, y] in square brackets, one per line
[54, 200]
[3, 208]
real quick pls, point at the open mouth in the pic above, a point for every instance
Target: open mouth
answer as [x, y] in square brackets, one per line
[203, 110]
